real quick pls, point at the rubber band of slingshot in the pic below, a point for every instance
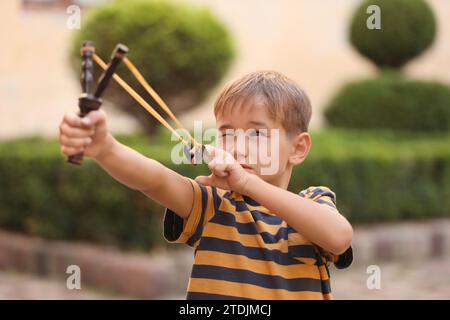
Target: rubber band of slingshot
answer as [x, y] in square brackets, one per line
[140, 78]
[144, 104]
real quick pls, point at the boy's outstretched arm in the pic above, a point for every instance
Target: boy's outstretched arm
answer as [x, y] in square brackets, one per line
[90, 136]
[318, 223]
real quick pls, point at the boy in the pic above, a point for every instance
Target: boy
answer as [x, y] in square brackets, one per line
[253, 239]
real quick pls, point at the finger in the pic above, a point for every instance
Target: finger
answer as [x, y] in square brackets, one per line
[223, 157]
[70, 151]
[73, 119]
[93, 118]
[209, 152]
[213, 167]
[74, 142]
[74, 132]
[220, 174]
[220, 170]
[205, 180]
[210, 149]
[211, 164]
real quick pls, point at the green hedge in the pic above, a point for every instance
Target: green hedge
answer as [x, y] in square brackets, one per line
[408, 27]
[381, 176]
[391, 101]
[376, 176]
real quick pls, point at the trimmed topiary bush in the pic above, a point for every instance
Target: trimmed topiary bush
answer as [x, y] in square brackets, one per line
[408, 27]
[391, 101]
[183, 51]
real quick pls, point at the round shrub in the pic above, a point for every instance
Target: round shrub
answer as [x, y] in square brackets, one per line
[408, 27]
[391, 101]
[182, 50]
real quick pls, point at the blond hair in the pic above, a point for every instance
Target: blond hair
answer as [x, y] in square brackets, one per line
[286, 102]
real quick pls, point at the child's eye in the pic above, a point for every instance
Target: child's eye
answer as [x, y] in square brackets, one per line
[256, 133]
[227, 134]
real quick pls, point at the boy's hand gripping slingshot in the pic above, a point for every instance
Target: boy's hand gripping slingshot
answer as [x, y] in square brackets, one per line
[89, 102]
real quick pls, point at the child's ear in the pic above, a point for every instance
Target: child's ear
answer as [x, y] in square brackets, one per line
[301, 143]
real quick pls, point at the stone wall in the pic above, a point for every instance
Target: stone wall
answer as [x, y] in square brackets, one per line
[166, 273]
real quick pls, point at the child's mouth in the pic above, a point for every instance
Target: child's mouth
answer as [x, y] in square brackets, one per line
[246, 167]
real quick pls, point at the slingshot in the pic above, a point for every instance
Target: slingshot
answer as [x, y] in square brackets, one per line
[89, 101]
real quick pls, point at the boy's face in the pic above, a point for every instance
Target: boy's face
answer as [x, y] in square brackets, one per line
[259, 143]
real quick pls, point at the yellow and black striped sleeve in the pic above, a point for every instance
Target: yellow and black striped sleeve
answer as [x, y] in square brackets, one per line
[324, 195]
[189, 230]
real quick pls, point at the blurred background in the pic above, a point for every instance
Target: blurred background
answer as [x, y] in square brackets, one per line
[380, 129]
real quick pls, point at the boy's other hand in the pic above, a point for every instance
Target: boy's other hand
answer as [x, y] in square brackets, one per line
[226, 172]
[88, 135]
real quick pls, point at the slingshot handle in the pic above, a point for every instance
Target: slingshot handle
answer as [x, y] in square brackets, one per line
[89, 102]
[86, 104]
[118, 54]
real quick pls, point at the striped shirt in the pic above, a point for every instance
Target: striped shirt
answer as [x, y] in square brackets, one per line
[243, 251]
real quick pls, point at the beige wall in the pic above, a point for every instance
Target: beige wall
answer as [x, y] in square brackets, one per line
[305, 39]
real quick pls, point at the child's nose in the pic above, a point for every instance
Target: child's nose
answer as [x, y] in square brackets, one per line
[239, 149]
